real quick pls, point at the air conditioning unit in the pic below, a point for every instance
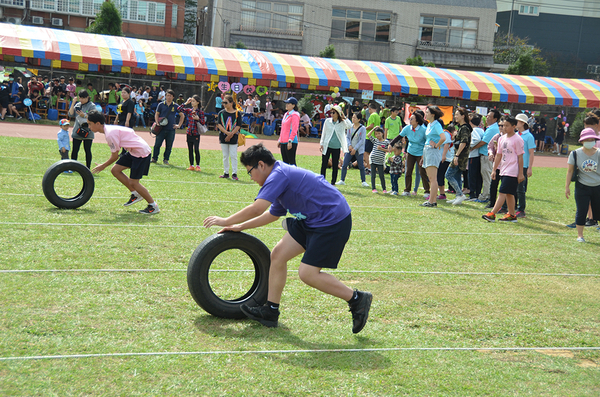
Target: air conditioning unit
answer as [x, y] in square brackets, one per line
[593, 69]
[57, 22]
[37, 20]
[14, 21]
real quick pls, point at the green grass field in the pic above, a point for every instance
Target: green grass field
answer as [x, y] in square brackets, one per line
[448, 288]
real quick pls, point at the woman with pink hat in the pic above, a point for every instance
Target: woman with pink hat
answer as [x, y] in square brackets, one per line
[584, 162]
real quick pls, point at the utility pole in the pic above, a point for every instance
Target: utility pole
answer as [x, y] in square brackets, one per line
[510, 21]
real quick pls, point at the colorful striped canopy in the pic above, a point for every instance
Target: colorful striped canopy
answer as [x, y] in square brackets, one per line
[92, 52]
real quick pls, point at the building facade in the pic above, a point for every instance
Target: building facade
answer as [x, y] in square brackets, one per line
[155, 20]
[566, 32]
[456, 34]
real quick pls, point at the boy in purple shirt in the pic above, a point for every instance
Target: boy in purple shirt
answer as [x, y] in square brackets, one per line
[136, 158]
[320, 229]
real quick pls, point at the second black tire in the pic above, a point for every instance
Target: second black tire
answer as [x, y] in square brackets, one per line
[70, 202]
[202, 259]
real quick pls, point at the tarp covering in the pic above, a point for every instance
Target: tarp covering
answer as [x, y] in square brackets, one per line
[89, 52]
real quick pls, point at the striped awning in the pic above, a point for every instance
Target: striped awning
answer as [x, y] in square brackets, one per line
[92, 52]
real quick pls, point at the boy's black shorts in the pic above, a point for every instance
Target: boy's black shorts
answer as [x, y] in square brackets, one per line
[509, 185]
[139, 165]
[368, 146]
[324, 245]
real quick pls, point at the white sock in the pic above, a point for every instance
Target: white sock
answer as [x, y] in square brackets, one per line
[154, 204]
[135, 193]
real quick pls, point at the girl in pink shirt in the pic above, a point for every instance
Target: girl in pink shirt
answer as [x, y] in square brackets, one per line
[288, 138]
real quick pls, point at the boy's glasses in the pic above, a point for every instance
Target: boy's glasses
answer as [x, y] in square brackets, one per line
[250, 170]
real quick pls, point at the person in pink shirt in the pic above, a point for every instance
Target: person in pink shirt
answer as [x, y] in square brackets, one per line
[136, 158]
[71, 88]
[492, 151]
[509, 159]
[288, 138]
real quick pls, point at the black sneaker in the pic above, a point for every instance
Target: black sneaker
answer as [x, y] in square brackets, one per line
[225, 176]
[263, 314]
[132, 200]
[428, 204]
[153, 161]
[572, 225]
[360, 311]
[503, 211]
[149, 210]
[590, 222]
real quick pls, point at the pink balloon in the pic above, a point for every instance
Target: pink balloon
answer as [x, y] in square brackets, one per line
[237, 87]
[224, 86]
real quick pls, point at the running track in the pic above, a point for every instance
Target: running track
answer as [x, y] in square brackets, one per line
[307, 146]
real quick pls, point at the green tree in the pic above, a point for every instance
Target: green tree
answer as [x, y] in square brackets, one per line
[239, 45]
[522, 58]
[418, 61]
[306, 105]
[190, 21]
[328, 52]
[577, 125]
[108, 21]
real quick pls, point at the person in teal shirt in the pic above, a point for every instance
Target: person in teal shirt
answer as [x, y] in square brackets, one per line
[415, 134]
[432, 154]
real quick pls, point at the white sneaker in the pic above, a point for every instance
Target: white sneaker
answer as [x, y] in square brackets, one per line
[365, 184]
[405, 194]
[459, 200]
[340, 182]
[450, 201]
[580, 240]
[426, 196]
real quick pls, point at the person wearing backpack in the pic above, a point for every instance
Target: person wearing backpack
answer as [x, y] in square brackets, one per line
[80, 107]
[168, 110]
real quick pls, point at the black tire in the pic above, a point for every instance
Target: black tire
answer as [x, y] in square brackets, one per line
[78, 169]
[202, 259]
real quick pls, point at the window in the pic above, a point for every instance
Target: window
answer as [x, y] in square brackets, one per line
[360, 25]
[131, 10]
[15, 3]
[271, 16]
[142, 11]
[61, 5]
[529, 10]
[74, 7]
[448, 32]
[151, 12]
[174, 15]
[160, 12]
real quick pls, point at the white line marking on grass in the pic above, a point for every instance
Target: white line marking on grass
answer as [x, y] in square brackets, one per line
[293, 271]
[300, 351]
[278, 228]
